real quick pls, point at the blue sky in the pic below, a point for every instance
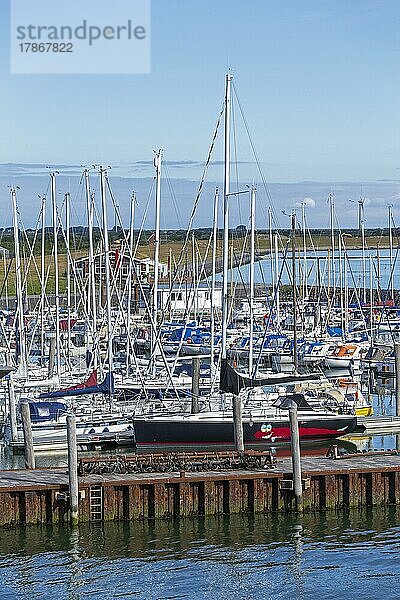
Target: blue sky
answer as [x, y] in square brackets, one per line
[318, 81]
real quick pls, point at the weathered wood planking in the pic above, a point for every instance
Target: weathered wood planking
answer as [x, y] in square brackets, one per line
[41, 496]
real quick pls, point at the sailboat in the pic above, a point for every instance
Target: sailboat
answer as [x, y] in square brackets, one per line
[263, 422]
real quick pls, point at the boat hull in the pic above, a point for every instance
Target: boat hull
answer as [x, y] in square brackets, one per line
[156, 432]
[338, 363]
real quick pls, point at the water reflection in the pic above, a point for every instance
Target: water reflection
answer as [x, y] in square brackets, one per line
[181, 537]
[263, 556]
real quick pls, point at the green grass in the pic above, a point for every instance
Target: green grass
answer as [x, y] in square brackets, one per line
[33, 286]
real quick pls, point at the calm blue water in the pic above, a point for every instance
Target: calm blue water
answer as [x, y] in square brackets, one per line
[338, 555]
[343, 555]
[382, 273]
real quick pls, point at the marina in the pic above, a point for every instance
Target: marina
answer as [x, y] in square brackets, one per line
[137, 355]
[199, 300]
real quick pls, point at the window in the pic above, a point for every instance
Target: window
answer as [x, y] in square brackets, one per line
[43, 411]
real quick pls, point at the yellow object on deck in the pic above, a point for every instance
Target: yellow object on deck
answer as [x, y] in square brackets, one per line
[364, 411]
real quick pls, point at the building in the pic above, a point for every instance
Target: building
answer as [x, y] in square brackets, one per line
[120, 265]
[182, 299]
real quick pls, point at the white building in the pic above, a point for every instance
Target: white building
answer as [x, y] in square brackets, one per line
[120, 264]
[145, 267]
[182, 299]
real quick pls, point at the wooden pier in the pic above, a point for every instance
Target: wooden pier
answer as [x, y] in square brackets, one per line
[41, 496]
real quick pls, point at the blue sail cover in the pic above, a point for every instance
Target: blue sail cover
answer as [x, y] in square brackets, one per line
[106, 387]
[46, 411]
[334, 331]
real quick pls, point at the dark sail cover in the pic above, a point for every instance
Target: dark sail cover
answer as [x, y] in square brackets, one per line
[232, 382]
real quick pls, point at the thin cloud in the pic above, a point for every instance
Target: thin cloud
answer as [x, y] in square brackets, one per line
[308, 202]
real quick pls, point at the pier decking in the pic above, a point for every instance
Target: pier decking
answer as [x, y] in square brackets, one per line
[41, 495]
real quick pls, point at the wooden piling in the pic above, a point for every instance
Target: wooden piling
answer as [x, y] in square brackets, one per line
[195, 384]
[238, 423]
[296, 459]
[28, 438]
[72, 468]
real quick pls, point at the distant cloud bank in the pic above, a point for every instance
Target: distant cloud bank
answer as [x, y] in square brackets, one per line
[179, 192]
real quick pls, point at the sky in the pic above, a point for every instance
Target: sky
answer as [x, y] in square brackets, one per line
[317, 80]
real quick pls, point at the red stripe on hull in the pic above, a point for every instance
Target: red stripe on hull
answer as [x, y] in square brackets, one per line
[283, 433]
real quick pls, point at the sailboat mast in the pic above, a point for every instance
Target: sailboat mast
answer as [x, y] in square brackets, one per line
[346, 295]
[103, 175]
[214, 259]
[342, 308]
[390, 218]
[271, 247]
[194, 278]
[18, 287]
[303, 226]
[131, 242]
[92, 305]
[252, 252]
[332, 221]
[56, 274]
[362, 226]
[67, 237]
[157, 164]
[371, 301]
[5, 280]
[294, 291]
[43, 276]
[276, 290]
[227, 160]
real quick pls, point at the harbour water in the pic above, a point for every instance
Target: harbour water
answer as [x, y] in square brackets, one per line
[379, 271]
[333, 555]
[341, 554]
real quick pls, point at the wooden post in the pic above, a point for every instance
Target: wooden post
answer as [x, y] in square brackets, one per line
[238, 423]
[52, 355]
[397, 367]
[12, 409]
[195, 384]
[28, 439]
[296, 459]
[72, 468]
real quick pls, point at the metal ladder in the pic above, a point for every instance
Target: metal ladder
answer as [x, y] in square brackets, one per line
[96, 503]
